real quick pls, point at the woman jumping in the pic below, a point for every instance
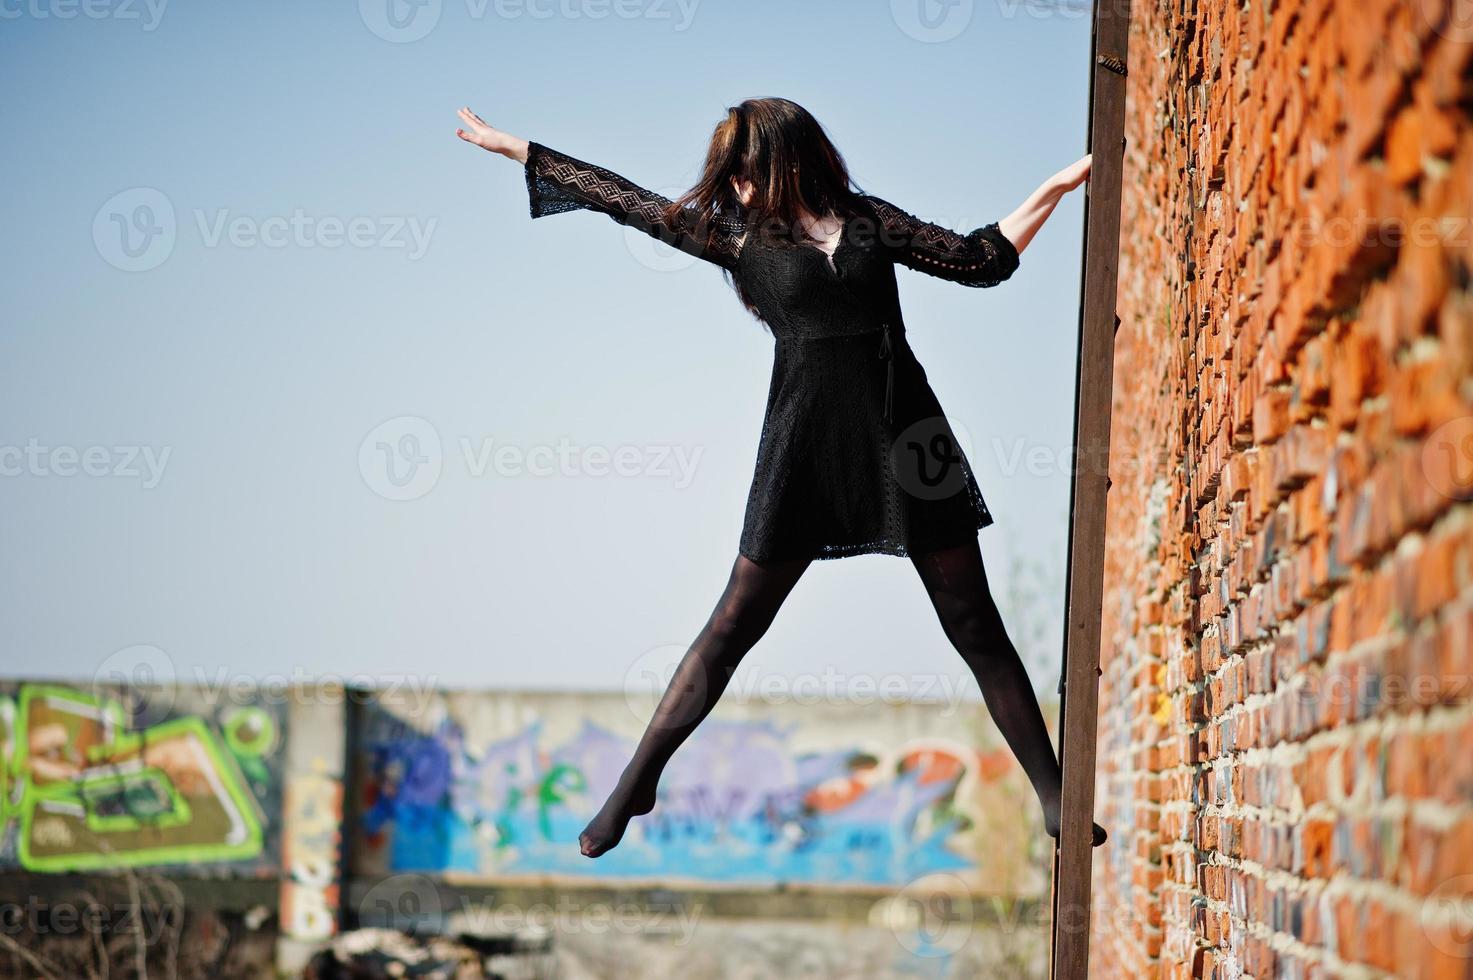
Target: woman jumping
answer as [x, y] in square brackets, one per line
[856, 456]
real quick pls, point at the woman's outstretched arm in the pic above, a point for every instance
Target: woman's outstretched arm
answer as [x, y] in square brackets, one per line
[1023, 224]
[984, 257]
[557, 182]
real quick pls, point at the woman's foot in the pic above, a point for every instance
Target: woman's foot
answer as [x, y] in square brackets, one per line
[1051, 823]
[1099, 834]
[606, 829]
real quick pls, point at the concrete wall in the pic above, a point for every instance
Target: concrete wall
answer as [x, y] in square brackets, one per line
[1285, 704]
[312, 824]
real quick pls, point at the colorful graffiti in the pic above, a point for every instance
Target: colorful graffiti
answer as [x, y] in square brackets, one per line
[82, 789]
[738, 805]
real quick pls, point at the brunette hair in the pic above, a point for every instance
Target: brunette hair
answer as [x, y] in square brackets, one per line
[793, 167]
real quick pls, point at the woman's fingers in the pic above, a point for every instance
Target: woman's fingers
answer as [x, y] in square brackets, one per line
[474, 139]
[472, 119]
[476, 130]
[1076, 173]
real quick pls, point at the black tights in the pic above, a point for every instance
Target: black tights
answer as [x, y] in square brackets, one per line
[957, 584]
[753, 595]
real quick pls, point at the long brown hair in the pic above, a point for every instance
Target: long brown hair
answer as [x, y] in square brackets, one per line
[793, 167]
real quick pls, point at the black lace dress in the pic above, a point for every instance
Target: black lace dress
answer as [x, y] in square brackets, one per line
[856, 456]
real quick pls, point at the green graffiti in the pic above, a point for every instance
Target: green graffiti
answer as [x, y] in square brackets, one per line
[132, 801]
[7, 750]
[249, 732]
[549, 793]
[89, 794]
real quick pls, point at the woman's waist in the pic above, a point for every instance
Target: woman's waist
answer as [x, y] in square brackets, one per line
[873, 355]
[840, 335]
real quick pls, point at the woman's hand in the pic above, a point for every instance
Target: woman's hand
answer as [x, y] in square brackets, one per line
[1074, 174]
[487, 137]
[1023, 224]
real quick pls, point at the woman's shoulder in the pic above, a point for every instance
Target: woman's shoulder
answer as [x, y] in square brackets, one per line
[874, 206]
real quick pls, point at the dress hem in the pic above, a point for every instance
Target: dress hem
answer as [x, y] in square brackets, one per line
[896, 549]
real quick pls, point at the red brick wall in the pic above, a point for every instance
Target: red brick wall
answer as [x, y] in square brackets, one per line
[1286, 714]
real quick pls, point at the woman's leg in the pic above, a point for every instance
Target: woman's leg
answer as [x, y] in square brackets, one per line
[754, 592]
[957, 584]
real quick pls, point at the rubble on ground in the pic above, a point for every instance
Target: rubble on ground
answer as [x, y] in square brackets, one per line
[388, 954]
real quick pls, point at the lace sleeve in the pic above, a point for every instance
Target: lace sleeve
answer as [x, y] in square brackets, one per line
[983, 257]
[557, 183]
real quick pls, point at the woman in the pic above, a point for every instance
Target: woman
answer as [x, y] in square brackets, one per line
[856, 456]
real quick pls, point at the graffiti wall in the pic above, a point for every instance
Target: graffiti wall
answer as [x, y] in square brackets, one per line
[498, 786]
[97, 778]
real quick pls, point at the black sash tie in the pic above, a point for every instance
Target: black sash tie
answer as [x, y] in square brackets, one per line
[888, 354]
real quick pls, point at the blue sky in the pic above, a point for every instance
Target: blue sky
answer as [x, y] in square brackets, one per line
[247, 259]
